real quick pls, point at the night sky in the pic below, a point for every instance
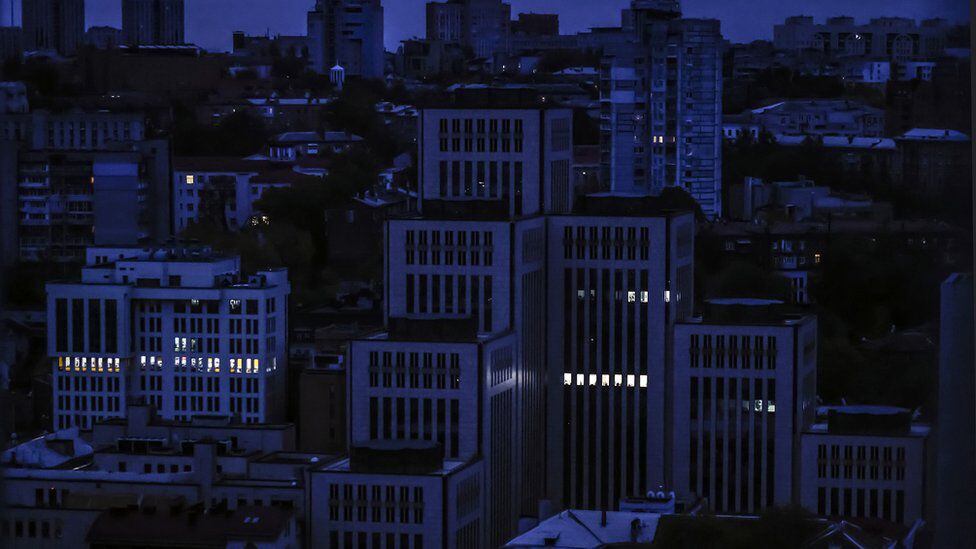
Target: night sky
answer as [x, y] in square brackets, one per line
[210, 22]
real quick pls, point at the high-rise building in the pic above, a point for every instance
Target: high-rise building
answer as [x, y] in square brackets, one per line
[438, 381]
[153, 22]
[744, 390]
[182, 329]
[955, 488]
[483, 26]
[620, 274]
[896, 38]
[661, 105]
[348, 33]
[53, 25]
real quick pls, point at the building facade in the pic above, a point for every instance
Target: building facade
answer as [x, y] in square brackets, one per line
[182, 329]
[402, 496]
[866, 462]
[153, 22]
[660, 106]
[619, 276]
[438, 381]
[348, 33]
[895, 38]
[744, 388]
[481, 26]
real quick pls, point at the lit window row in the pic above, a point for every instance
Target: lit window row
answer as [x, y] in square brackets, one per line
[194, 364]
[604, 380]
[618, 295]
[150, 363]
[82, 364]
[247, 366]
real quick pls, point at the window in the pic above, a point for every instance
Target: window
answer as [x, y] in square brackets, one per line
[190, 179]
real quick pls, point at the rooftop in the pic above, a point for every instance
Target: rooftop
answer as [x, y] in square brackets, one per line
[928, 134]
[177, 526]
[576, 529]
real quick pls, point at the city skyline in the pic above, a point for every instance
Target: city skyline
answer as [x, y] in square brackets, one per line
[405, 18]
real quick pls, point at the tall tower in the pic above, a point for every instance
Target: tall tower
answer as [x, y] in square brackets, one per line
[661, 101]
[153, 22]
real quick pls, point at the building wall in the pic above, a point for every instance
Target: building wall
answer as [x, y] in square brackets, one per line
[863, 476]
[187, 349]
[615, 287]
[521, 157]
[153, 22]
[53, 25]
[742, 394]
[400, 511]
[348, 33]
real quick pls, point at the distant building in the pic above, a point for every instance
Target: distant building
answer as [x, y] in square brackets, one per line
[183, 329]
[66, 200]
[153, 22]
[935, 163]
[419, 59]
[665, 130]
[347, 33]
[53, 25]
[955, 481]
[895, 38]
[820, 117]
[398, 494]
[13, 99]
[72, 130]
[536, 24]
[866, 462]
[104, 38]
[481, 26]
[745, 382]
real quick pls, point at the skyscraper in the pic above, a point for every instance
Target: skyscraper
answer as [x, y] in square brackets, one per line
[744, 390]
[661, 105]
[53, 25]
[348, 33]
[152, 22]
[620, 273]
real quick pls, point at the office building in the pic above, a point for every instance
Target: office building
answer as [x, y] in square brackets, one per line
[347, 33]
[482, 26]
[536, 24]
[897, 39]
[955, 488]
[660, 106]
[72, 130]
[181, 328]
[402, 494]
[491, 164]
[440, 381]
[865, 462]
[744, 389]
[53, 25]
[620, 274]
[153, 22]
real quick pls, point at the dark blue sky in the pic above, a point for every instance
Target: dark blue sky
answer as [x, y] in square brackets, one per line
[210, 22]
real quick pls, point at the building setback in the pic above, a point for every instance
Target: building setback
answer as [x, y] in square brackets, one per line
[182, 329]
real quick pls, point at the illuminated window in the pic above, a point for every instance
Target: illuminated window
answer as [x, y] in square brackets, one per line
[631, 297]
[190, 179]
[592, 379]
[630, 380]
[643, 381]
[580, 379]
[567, 379]
[605, 380]
[643, 296]
[667, 296]
[618, 380]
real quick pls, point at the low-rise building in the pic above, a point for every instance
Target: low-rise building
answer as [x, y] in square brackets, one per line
[397, 494]
[820, 117]
[865, 462]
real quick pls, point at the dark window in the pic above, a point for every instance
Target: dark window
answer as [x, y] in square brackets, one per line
[78, 325]
[95, 325]
[111, 326]
[61, 323]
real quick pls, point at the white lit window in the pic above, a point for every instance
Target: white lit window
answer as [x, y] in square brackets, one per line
[190, 179]
[592, 379]
[643, 381]
[605, 380]
[630, 380]
[618, 380]
[643, 296]
[667, 296]
[567, 379]
[580, 379]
